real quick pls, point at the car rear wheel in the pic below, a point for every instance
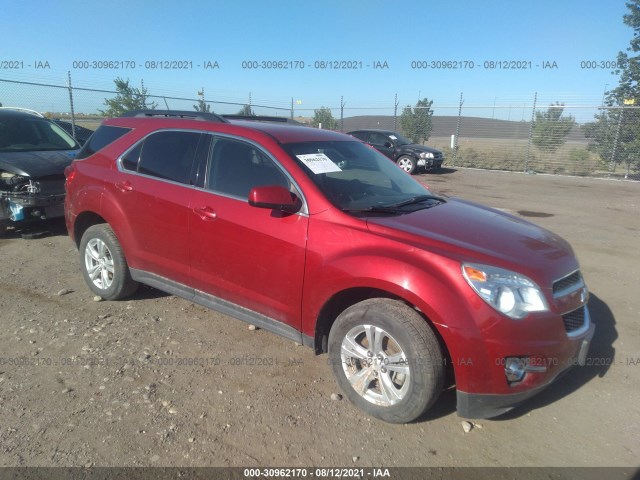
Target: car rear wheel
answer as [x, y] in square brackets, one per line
[386, 359]
[104, 266]
[407, 164]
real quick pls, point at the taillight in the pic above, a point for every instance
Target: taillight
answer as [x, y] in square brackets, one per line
[70, 174]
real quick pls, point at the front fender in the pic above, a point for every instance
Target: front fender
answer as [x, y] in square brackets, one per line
[342, 257]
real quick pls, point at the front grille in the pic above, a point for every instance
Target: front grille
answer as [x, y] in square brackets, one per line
[567, 282]
[574, 320]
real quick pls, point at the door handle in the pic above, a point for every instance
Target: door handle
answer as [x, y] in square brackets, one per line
[124, 186]
[205, 213]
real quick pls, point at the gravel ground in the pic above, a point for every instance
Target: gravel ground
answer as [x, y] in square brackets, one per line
[158, 381]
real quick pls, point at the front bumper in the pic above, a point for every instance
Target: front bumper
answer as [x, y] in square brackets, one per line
[479, 405]
[429, 163]
[22, 207]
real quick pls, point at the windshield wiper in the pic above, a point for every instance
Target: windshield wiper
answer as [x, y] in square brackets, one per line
[372, 209]
[397, 207]
[413, 200]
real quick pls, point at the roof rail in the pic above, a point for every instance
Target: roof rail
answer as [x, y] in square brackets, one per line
[25, 110]
[261, 118]
[204, 116]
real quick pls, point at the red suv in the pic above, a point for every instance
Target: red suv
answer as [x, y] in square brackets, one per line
[317, 237]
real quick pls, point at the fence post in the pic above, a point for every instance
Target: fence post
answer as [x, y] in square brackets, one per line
[455, 143]
[291, 108]
[73, 113]
[342, 113]
[612, 162]
[533, 119]
[144, 94]
[395, 114]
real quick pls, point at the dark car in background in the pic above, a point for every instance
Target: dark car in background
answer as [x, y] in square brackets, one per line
[81, 134]
[34, 152]
[409, 156]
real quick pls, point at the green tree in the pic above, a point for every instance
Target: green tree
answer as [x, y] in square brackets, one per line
[324, 116]
[615, 133]
[415, 122]
[247, 111]
[202, 106]
[127, 98]
[550, 128]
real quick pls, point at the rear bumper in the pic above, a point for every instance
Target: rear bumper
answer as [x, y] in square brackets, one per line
[480, 405]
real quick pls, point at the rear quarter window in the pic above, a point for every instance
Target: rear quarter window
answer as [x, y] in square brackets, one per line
[102, 137]
[169, 155]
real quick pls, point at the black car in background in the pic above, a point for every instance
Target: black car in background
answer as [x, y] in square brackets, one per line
[34, 152]
[409, 156]
[82, 134]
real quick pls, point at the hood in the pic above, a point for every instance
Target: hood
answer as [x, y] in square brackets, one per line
[414, 147]
[37, 164]
[472, 232]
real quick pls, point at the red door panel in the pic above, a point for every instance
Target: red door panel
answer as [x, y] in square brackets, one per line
[251, 256]
[159, 212]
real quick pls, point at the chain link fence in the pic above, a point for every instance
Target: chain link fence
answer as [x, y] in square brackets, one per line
[536, 135]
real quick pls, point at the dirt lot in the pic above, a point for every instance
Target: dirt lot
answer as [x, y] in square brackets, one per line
[111, 384]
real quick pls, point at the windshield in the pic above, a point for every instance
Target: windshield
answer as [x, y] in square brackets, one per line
[354, 176]
[400, 139]
[33, 134]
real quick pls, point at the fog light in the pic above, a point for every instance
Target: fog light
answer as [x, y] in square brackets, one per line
[514, 368]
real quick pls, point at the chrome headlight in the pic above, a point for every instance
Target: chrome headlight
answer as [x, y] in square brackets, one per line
[508, 292]
[426, 155]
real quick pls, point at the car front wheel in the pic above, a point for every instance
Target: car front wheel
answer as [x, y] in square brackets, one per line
[407, 164]
[386, 359]
[104, 266]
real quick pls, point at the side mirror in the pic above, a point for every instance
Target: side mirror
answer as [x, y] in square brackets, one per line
[274, 197]
[388, 144]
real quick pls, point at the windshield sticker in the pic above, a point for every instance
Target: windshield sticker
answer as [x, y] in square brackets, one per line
[393, 137]
[319, 163]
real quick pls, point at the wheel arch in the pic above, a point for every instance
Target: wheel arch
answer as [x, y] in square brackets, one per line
[83, 221]
[343, 299]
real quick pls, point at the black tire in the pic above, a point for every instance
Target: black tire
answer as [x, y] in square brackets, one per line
[115, 280]
[400, 329]
[407, 163]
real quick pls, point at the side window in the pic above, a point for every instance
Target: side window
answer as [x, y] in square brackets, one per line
[169, 155]
[361, 135]
[235, 167]
[378, 139]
